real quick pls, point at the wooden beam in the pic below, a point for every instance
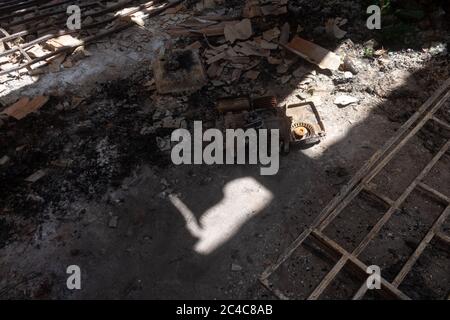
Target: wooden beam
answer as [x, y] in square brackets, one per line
[361, 292]
[445, 239]
[442, 123]
[389, 202]
[400, 200]
[421, 248]
[439, 196]
[388, 288]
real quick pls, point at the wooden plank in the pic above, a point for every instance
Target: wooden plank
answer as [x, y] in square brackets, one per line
[387, 287]
[331, 275]
[420, 249]
[266, 283]
[25, 106]
[443, 238]
[442, 123]
[378, 195]
[400, 200]
[361, 292]
[441, 197]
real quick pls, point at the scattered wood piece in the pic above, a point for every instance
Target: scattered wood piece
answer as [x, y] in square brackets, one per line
[175, 9]
[150, 85]
[273, 60]
[194, 46]
[137, 20]
[240, 31]
[345, 100]
[56, 62]
[271, 34]
[68, 63]
[207, 31]
[239, 60]
[63, 41]
[273, 10]
[251, 49]
[216, 58]
[252, 74]
[4, 160]
[285, 33]
[264, 44]
[36, 176]
[25, 106]
[36, 51]
[213, 70]
[332, 27]
[252, 9]
[314, 53]
[236, 75]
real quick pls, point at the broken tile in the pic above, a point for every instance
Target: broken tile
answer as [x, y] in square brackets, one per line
[240, 31]
[25, 106]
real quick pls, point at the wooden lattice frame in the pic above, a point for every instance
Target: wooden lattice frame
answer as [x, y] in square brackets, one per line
[361, 182]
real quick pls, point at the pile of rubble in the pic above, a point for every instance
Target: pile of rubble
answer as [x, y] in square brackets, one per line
[37, 37]
[233, 45]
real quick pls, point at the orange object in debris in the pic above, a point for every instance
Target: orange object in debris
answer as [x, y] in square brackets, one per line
[25, 106]
[301, 132]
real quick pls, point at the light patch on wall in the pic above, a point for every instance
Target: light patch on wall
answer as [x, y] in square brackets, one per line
[243, 199]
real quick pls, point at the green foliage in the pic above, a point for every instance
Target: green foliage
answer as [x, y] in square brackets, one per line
[368, 52]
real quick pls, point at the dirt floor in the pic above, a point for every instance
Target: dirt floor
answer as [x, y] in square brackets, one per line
[140, 227]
